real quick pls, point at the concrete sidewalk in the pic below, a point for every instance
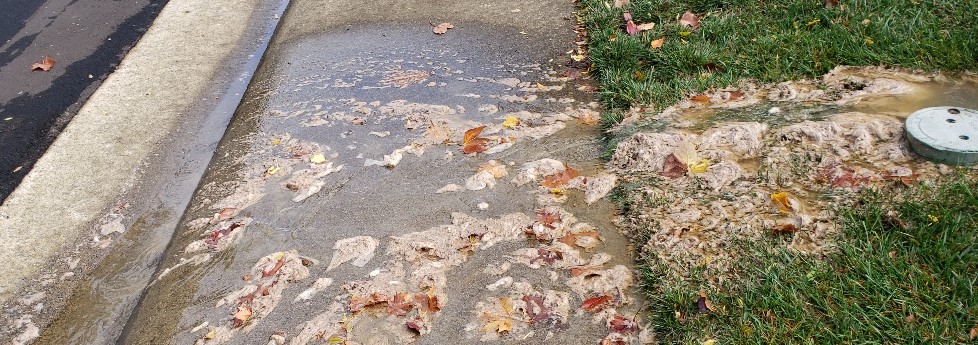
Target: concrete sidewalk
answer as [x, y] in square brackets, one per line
[341, 197]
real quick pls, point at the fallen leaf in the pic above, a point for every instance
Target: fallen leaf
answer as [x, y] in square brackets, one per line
[587, 119]
[271, 272]
[735, 95]
[621, 3]
[547, 256]
[507, 305]
[558, 179]
[241, 316]
[646, 26]
[318, 158]
[471, 143]
[630, 26]
[690, 20]
[402, 304]
[783, 200]
[594, 304]
[211, 334]
[657, 43]
[623, 325]
[700, 98]
[785, 228]
[499, 325]
[434, 304]
[672, 167]
[547, 219]
[536, 309]
[442, 28]
[710, 342]
[571, 239]
[687, 155]
[703, 303]
[44, 65]
[973, 333]
[511, 121]
[359, 302]
[830, 3]
[358, 121]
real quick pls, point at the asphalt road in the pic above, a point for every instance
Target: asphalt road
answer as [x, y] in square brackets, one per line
[87, 38]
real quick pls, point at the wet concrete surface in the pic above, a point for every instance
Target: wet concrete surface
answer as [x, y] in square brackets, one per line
[355, 94]
[87, 38]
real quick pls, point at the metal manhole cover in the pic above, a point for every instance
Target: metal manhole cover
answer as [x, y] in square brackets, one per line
[944, 134]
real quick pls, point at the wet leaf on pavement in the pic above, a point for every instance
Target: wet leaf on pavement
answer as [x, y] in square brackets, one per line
[442, 28]
[594, 304]
[472, 143]
[241, 316]
[45, 64]
[560, 178]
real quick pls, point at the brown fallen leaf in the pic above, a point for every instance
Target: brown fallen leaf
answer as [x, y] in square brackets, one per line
[45, 64]
[594, 304]
[471, 143]
[973, 334]
[785, 228]
[558, 179]
[359, 302]
[657, 43]
[442, 28]
[434, 304]
[621, 3]
[622, 324]
[241, 316]
[672, 167]
[646, 26]
[402, 304]
[571, 239]
[498, 325]
[547, 256]
[536, 310]
[703, 303]
[547, 219]
[690, 20]
[735, 95]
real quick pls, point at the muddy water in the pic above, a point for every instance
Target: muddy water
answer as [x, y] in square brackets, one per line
[356, 96]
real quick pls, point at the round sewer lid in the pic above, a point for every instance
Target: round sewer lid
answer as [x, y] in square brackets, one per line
[944, 134]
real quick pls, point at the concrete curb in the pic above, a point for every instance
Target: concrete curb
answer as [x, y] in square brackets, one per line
[100, 153]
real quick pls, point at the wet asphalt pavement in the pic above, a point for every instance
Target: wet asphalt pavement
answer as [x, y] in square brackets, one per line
[87, 38]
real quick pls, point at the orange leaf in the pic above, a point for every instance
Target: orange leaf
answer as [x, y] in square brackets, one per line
[241, 316]
[271, 272]
[783, 200]
[401, 305]
[557, 179]
[735, 95]
[44, 65]
[785, 228]
[571, 239]
[471, 143]
[433, 303]
[594, 304]
[672, 167]
[700, 99]
[656, 44]
[547, 219]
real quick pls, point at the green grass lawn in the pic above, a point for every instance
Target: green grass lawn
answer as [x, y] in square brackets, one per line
[769, 41]
[906, 273]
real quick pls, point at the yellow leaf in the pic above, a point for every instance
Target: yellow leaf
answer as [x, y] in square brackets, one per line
[656, 44]
[278, 256]
[783, 200]
[318, 158]
[869, 41]
[272, 170]
[499, 325]
[511, 121]
[700, 167]
[243, 314]
[507, 305]
[276, 142]
[933, 218]
[710, 342]
[686, 154]
[577, 57]
[813, 22]
[557, 191]
[211, 334]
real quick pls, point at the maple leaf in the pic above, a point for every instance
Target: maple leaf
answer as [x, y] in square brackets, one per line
[594, 304]
[401, 305]
[442, 28]
[623, 325]
[657, 43]
[630, 26]
[271, 272]
[557, 179]
[471, 143]
[241, 316]
[784, 202]
[672, 167]
[536, 309]
[690, 20]
[507, 304]
[703, 303]
[45, 64]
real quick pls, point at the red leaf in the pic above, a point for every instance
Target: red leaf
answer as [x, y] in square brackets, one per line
[548, 219]
[623, 325]
[594, 304]
[630, 26]
[271, 272]
[471, 143]
[672, 167]
[217, 235]
[401, 305]
[535, 309]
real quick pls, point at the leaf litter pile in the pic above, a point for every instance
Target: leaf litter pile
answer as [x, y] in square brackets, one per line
[405, 283]
[696, 192]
